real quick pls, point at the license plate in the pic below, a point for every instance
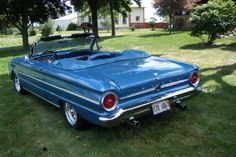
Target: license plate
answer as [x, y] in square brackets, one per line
[160, 107]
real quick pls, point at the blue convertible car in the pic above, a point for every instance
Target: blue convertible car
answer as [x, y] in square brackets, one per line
[103, 88]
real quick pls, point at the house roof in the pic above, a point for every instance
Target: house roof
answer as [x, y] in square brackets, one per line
[67, 17]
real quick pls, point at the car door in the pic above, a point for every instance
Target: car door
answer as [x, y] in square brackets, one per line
[30, 73]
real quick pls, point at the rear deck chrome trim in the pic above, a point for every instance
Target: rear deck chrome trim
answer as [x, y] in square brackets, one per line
[139, 93]
[154, 88]
[173, 83]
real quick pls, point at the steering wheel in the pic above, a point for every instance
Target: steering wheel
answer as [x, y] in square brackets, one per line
[99, 55]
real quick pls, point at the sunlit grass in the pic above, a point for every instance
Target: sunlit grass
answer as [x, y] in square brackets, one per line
[29, 126]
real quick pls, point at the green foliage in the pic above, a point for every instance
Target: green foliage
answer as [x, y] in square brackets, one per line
[72, 27]
[20, 13]
[32, 32]
[132, 28]
[47, 28]
[59, 29]
[152, 23]
[179, 23]
[213, 18]
[106, 24]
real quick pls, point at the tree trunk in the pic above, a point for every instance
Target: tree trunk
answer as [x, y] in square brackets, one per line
[95, 22]
[170, 25]
[94, 10]
[113, 29]
[24, 31]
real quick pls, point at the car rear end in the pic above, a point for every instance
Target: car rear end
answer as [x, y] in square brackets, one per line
[145, 88]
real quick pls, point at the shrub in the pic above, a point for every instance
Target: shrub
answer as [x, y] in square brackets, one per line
[106, 24]
[46, 29]
[32, 32]
[215, 17]
[152, 23]
[72, 27]
[59, 29]
[132, 28]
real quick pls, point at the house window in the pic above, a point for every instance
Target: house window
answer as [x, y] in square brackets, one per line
[137, 18]
[90, 19]
[116, 21]
[124, 20]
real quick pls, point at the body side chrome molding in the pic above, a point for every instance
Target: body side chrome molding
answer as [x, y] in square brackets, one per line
[75, 94]
[42, 97]
[154, 88]
[61, 98]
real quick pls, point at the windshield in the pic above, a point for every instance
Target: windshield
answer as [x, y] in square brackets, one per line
[61, 45]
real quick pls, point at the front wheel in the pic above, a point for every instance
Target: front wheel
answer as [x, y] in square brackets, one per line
[17, 85]
[72, 118]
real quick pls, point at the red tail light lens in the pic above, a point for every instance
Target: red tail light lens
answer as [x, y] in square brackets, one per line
[109, 101]
[194, 79]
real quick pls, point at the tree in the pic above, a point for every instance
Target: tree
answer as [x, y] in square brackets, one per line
[122, 7]
[109, 6]
[106, 24]
[213, 18]
[171, 7]
[93, 5]
[21, 13]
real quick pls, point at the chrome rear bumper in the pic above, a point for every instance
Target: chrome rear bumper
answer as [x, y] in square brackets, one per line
[123, 115]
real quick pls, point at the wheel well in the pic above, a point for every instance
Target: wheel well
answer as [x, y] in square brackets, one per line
[12, 74]
[61, 104]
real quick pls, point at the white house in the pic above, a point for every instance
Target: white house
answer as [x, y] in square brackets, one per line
[64, 21]
[139, 17]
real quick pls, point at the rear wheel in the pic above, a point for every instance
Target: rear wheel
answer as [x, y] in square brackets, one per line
[72, 118]
[17, 85]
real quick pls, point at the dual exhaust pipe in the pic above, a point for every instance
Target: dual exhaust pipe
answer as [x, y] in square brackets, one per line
[180, 105]
[136, 123]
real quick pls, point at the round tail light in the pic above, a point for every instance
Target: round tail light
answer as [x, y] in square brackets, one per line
[194, 79]
[109, 101]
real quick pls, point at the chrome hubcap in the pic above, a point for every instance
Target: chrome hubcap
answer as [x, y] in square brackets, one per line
[17, 84]
[71, 114]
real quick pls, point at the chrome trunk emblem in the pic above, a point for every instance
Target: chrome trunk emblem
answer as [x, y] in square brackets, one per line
[157, 76]
[158, 87]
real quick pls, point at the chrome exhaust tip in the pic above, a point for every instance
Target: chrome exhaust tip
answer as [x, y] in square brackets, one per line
[134, 123]
[180, 105]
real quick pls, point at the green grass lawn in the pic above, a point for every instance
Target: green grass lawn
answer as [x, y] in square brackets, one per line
[30, 126]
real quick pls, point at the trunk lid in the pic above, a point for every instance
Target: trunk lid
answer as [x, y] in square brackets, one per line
[138, 75]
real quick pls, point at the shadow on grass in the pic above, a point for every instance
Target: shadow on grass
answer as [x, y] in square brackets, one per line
[221, 71]
[201, 46]
[157, 55]
[101, 39]
[230, 47]
[11, 51]
[159, 34]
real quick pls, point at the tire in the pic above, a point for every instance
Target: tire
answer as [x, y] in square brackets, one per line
[72, 117]
[16, 82]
